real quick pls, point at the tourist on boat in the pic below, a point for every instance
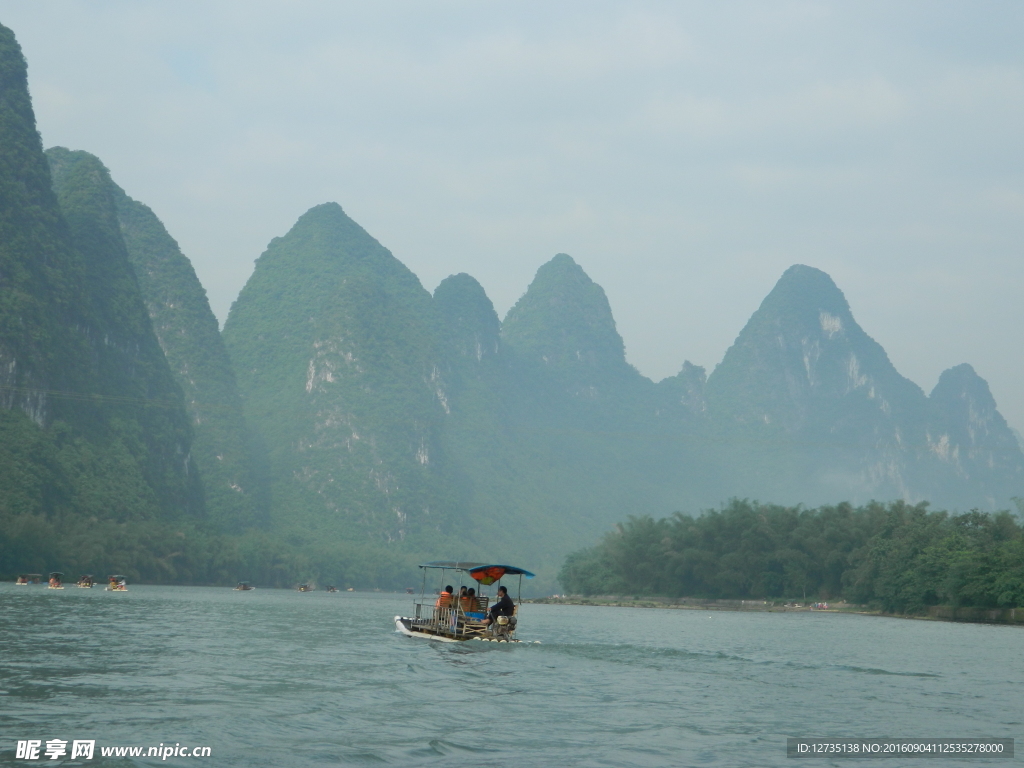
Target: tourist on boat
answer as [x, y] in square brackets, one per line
[503, 607]
[444, 600]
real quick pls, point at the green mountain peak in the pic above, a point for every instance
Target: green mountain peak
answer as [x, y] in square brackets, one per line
[564, 323]
[967, 432]
[335, 346]
[803, 289]
[470, 325]
[802, 355]
[326, 232]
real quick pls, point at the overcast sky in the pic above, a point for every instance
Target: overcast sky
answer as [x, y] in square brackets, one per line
[685, 154]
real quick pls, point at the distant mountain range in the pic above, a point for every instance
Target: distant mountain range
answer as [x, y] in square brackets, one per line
[346, 410]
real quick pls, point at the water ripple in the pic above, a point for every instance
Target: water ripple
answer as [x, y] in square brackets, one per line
[275, 678]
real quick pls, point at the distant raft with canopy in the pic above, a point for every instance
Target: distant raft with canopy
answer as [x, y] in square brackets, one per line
[454, 617]
[117, 583]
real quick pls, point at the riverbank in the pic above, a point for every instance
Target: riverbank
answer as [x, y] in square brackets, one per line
[1013, 616]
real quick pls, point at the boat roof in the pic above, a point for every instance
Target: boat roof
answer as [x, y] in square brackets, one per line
[458, 565]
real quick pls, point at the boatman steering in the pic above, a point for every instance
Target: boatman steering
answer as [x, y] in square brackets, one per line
[502, 607]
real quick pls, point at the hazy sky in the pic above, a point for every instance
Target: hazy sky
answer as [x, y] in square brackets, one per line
[684, 154]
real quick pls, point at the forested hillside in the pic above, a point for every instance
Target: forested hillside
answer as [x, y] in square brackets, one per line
[899, 557]
[336, 353]
[230, 460]
[94, 438]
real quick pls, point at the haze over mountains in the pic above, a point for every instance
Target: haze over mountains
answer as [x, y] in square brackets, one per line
[347, 420]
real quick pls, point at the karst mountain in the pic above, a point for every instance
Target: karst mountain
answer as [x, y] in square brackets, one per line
[348, 422]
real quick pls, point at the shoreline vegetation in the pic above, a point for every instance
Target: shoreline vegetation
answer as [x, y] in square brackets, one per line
[1011, 616]
[895, 559]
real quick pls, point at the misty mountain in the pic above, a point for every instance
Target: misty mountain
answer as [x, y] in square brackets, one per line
[347, 421]
[978, 453]
[138, 406]
[229, 461]
[419, 422]
[598, 440]
[562, 332]
[810, 409]
[469, 326]
[93, 430]
[336, 353]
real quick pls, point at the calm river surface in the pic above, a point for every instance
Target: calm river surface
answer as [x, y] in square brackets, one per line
[277, 678]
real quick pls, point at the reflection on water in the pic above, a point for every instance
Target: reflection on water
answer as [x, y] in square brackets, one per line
[278, 678]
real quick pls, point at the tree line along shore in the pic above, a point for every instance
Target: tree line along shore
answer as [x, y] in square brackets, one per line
[937, 612]
[895, 558]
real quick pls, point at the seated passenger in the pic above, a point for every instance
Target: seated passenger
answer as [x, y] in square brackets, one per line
[503, 607]
[444, 600]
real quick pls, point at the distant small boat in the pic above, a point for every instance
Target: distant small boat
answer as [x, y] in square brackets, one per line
[244, 586]
[85, 581]
[24, 579]
[332, 588]
[117, 583]
[55, 580]
[306, 588]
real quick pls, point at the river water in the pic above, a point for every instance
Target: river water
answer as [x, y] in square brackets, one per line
[282, 679]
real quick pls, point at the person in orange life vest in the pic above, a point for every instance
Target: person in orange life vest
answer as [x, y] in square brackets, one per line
[444, 600]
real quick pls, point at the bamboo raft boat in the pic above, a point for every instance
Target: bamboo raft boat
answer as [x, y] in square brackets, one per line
[452, 617]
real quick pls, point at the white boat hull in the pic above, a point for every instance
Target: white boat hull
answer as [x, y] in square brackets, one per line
[403, 625]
